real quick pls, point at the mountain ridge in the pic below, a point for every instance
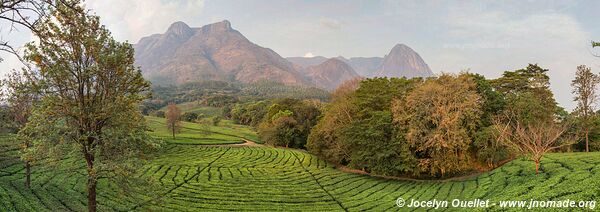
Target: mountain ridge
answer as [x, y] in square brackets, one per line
[211, 52]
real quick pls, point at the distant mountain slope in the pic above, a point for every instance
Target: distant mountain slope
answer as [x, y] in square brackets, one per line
[305, 62]
[364, 66]
[401, 61]
[212, 52]
[330, 74]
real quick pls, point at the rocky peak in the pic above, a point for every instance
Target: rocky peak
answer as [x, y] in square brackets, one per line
[222, 26]
[399, 48]
[403, 61]
[180, 28]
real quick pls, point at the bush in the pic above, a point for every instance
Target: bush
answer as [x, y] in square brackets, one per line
[216, 120]
[159, 113]
[189, 116]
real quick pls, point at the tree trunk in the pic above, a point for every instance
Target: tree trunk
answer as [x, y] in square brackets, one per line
[587, 141]
[91, 183]
[537, 167]
[27, 174]
[91, 194]
[173, 130]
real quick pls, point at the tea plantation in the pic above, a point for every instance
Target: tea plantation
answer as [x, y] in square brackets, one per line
[260, 178]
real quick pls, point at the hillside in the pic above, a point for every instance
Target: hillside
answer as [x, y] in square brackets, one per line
[330, 74]
[212, 52]
[192, 177]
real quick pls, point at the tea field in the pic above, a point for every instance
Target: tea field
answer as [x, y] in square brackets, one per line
[261, 178]
[226, 132]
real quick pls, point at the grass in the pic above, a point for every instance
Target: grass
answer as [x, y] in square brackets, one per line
[200, 178]
[193, 133]
[197, 108]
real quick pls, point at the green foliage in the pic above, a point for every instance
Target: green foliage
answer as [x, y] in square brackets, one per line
[189, 116]
[90, 94]
[358, 123]
[220, 94]
[250, 113]
[287, 122]
[488, 150]
[528, 93]
[373, 147]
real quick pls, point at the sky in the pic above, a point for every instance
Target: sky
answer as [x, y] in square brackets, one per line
[486, 37]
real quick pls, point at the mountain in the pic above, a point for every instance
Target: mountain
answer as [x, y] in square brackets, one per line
[305, 62]
[330, 74]
[212, 52]
[402, 61]
[365, 66]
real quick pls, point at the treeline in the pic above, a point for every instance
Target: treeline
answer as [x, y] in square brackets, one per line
[437, 126]
[441, 126]
[225, 94]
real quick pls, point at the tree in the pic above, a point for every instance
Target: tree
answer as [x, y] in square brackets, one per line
[521, 88]
[325, 138]
[584, 88]
[288, 119]
[159, 113]
[173, 116]
[486, 148]
[533, 140]
[437, 117]
[189, 116]
[90, 94]
[20, 101]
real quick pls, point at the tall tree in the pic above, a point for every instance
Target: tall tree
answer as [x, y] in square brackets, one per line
[173, 116]
[20, 99]
[91, 93]
[437, 117]
[522, 88]
[584, 88]
[533, 140]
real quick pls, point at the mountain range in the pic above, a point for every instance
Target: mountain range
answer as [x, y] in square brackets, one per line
[218, 52]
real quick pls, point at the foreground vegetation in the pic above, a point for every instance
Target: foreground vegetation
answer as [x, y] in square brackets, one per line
[192, 177]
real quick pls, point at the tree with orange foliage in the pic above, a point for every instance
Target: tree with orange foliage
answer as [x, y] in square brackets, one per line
[173, 118]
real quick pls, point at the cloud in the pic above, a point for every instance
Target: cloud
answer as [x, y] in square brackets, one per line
[130, 20]
[330, 23]
[554, 40]
[309, 54]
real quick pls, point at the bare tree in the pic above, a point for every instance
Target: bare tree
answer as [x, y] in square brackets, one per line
[173, 118]
[534, 140]
[584, 87]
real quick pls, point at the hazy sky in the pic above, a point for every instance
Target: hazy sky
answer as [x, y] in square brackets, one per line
[486, 37]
